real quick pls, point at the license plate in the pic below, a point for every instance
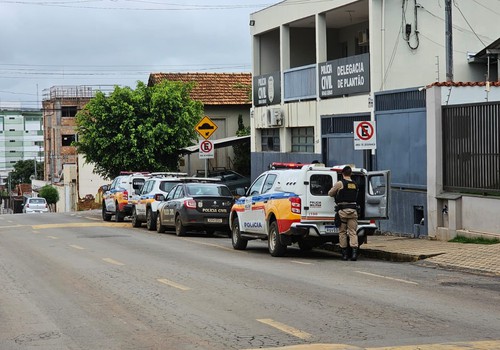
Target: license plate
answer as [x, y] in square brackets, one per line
[215, 220]
[331, 229]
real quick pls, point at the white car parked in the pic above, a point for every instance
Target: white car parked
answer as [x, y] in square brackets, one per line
[35, 205]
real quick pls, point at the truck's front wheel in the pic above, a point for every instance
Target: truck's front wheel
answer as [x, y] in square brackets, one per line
[276, 248]
[239, 243]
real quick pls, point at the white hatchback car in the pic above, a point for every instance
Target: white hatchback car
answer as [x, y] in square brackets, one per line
[36, 205]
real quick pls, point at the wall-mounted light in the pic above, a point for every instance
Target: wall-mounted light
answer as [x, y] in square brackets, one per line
[252, 23]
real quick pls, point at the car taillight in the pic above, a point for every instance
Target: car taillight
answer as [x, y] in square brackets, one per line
[125, 195]
[296, 205]
[190, 203]
[372, 222]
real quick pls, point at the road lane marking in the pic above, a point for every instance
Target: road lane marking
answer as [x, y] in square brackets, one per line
[14, 226]
[473, 345]
[114, 262]
[285, 328]
[173, 284]
[386, 277]
[53, 237]
[301, 262]
[76, 246]
[35, 231]
[92, 218]
[82, 224]
[209, 244]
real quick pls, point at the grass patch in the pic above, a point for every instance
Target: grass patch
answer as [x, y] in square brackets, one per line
[475, 240]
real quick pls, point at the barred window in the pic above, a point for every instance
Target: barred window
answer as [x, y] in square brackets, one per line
[303, 139]
[270, 139]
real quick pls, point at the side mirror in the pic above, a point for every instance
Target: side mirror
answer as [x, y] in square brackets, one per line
[105, 188]
[159, 197]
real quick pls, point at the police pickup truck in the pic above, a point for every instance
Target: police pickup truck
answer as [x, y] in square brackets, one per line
[290, 204]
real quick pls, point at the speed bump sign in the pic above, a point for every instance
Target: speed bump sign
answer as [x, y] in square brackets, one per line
[206, 127]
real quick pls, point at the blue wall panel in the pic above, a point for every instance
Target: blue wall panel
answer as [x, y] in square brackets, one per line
[402, 148]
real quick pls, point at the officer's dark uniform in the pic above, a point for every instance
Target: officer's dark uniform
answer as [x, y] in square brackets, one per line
[345, 192]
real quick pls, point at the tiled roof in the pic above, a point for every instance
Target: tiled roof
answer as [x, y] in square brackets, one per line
[464, 83]
[213, 88]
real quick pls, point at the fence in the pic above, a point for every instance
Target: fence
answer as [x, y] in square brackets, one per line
[471, 148]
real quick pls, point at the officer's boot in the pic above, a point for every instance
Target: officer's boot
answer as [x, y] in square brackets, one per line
[354, 255]
[344, 254]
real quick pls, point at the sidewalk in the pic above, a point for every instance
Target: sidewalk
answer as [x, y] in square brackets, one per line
[475, 258]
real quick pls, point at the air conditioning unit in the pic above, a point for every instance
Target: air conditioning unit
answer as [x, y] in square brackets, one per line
[363, 37]
[274, 117]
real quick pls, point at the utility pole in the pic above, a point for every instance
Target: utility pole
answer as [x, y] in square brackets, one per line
[449, 41]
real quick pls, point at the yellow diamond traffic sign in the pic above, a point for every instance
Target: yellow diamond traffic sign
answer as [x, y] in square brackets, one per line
[206, 127]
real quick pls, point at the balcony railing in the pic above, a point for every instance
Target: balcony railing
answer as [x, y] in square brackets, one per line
[300, 83]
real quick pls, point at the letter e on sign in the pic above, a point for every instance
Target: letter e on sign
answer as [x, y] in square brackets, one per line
[365, 135]
[206, 149]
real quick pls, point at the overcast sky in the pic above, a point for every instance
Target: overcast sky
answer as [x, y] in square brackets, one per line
[45, 43]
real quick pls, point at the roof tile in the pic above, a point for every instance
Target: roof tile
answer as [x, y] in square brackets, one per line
[213, 88]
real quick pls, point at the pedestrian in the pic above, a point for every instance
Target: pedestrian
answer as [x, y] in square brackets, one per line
[345, 193]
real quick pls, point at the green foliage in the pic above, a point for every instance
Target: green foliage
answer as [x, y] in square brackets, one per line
[138, 130]
[242, 151]
[50, 194]
[475, 240]
[23, 170]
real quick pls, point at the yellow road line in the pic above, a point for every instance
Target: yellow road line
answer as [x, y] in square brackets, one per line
[172, 284]
[284, 328]
[82, 224]
[388, 278]
[76, 246]
[114, 262]
[475, 345]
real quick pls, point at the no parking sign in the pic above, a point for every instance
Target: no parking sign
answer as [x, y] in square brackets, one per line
[206, 149]
[365, 135]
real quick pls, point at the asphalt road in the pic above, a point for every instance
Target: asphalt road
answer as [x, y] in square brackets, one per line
[71, 281]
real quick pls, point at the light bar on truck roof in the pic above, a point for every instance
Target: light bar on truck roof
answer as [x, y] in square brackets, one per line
[292, 165]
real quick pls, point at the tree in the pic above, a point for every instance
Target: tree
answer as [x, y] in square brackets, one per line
[242, 151]
[138, 130]
[50, 194]
[23, 170]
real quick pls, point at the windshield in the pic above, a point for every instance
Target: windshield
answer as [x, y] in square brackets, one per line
[207, 190]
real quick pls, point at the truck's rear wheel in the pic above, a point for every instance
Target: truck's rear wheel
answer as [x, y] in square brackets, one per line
[276, 248]
[239, 243]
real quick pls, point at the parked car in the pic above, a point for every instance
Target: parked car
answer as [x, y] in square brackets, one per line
[199, 206]
[230, 178]
[35, 205]
[159, 184]
[119, 198]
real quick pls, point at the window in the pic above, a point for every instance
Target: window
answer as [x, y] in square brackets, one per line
[303, 139]
[270, 140]
[255, 189]
[320, 184]
[269, 182]
[66, 140]
[69, 111]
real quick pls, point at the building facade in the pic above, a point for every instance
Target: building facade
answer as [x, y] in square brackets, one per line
[21, 138]
[314, 61]
[321, 66]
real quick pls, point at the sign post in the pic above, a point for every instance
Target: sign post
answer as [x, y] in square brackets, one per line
[206, 127]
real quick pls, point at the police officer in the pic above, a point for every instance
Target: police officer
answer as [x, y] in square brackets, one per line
[345, 192]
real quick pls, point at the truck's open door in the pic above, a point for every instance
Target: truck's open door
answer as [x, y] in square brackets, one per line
[377, 192]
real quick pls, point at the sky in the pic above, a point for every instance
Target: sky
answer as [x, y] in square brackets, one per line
[46, 43]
